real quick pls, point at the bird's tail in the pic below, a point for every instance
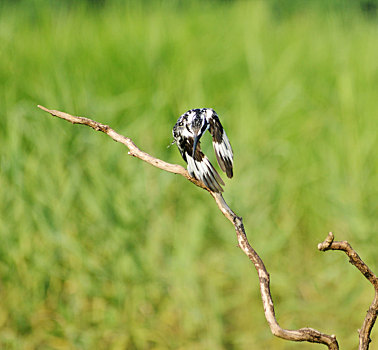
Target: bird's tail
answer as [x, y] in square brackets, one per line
[204, 171]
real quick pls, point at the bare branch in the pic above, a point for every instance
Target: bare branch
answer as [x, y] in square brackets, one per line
[303, 334]
[133, 149]
[354, 259]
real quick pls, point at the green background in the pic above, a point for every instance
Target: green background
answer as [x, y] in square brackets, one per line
[99, 250]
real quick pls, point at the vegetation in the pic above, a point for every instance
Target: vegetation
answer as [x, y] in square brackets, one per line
[101, 251]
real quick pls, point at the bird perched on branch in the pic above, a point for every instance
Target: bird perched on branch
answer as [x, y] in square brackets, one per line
[187, 133]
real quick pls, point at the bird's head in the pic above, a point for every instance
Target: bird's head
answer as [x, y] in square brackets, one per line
[180, 127]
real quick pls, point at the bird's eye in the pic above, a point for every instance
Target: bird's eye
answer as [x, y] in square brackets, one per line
[181, 124]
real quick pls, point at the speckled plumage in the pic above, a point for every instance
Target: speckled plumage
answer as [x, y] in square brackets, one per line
[187, 132]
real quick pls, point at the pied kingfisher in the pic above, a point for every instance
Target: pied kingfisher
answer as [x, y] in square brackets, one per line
[187, 133]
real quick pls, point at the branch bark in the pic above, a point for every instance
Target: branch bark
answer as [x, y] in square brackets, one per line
[354, 259]
[302, 334]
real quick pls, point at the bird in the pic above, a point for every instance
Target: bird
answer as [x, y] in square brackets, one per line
[187, 133]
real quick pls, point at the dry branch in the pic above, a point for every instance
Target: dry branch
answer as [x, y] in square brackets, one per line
[354, 259]
[303, 334]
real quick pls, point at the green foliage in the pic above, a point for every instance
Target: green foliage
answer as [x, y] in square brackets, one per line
[101, 251]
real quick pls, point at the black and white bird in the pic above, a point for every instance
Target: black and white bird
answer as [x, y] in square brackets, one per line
[187, 133]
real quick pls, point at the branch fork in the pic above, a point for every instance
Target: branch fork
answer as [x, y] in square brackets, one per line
[354, 259]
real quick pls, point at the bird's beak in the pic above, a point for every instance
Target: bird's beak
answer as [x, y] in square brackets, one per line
[196, 139]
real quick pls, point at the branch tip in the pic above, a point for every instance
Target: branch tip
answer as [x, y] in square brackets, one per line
[43, 108]
[327, 242]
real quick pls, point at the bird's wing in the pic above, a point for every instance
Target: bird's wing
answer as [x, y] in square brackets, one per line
[200, 166]
[221, 144]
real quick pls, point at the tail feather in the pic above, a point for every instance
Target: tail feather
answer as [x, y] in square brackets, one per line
[204, 171]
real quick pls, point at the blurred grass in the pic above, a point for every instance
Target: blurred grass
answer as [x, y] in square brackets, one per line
[99, 250]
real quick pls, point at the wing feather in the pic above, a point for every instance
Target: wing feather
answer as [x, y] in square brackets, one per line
[221, 144]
